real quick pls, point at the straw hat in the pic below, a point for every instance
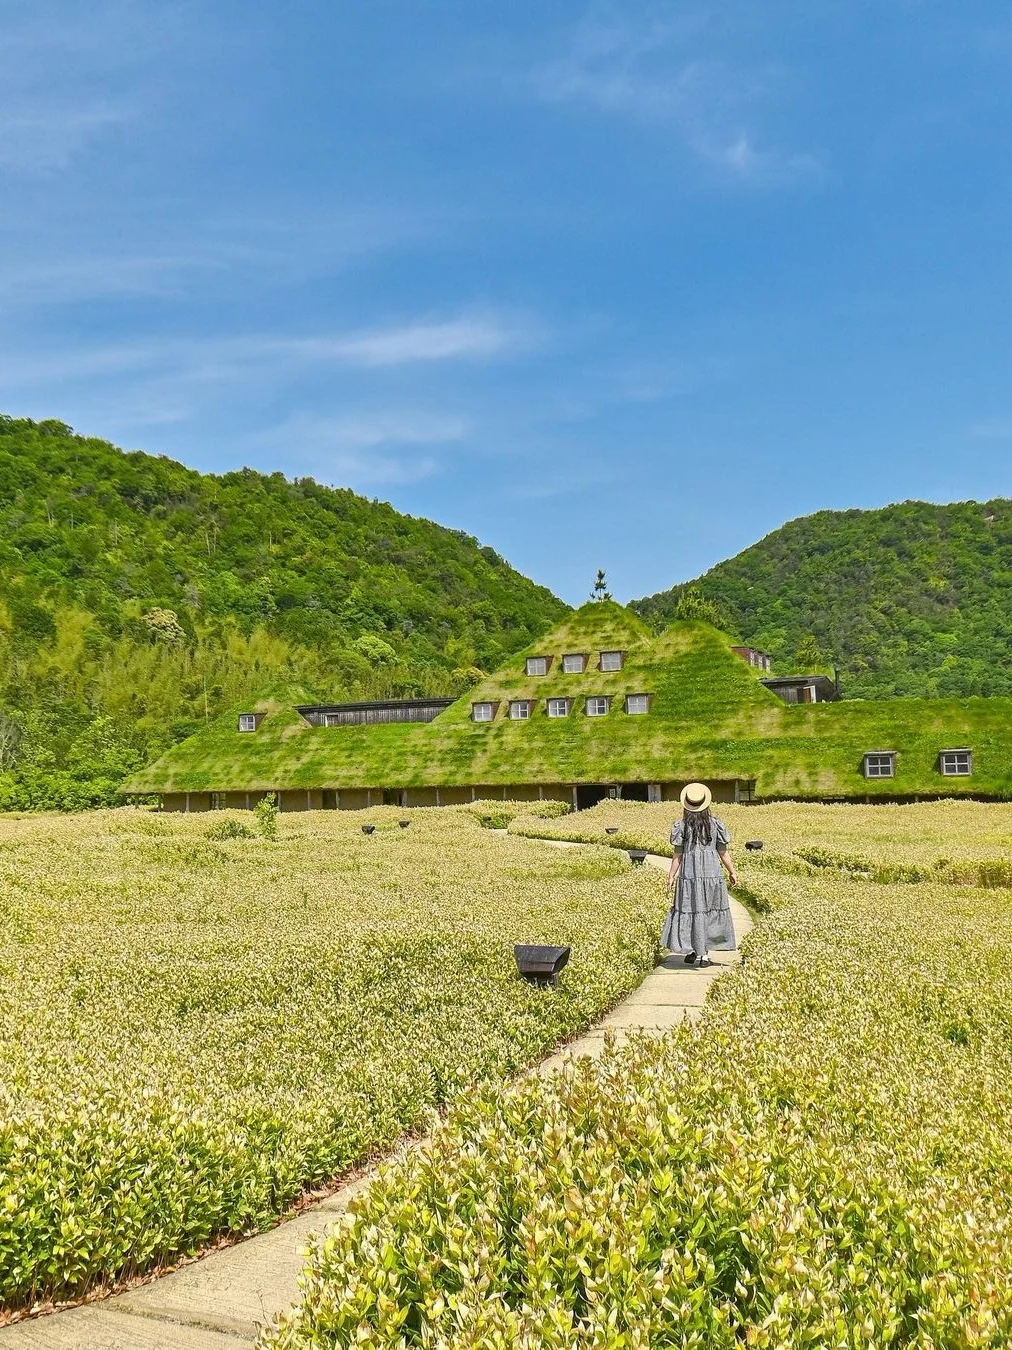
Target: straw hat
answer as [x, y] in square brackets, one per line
[695, 797]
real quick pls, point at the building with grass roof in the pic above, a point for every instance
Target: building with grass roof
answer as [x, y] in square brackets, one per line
[601, 706]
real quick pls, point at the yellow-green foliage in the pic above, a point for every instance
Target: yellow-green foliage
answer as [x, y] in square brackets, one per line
[823, 1160]
[194, 1027]
[959, 841]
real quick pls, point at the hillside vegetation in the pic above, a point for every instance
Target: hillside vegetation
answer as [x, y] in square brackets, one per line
[911, 599]
[140, 598]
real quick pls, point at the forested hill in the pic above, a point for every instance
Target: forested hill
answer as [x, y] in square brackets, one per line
[138, 596]
[908, 599]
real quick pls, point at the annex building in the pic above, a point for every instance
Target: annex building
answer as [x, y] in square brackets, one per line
[601, 706]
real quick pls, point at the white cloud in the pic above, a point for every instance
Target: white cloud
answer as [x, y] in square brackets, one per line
[992, 431]
[641, 71]
[452, 339]
[361, 450]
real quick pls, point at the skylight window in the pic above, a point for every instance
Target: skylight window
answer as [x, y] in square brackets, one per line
[597, 706]
[880, 764]
[482, 712]
[637, 703]
[558, 707]
[537, 665]
[956, 763]
[520, 709]
[574, 663]
[612, 660]
[247, 721]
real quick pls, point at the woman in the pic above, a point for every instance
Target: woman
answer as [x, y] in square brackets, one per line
[700, 917]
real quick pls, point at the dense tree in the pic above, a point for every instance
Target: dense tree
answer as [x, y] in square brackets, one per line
[908, 599]
[139, 597]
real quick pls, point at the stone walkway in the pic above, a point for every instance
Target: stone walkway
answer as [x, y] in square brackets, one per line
[218, 1302]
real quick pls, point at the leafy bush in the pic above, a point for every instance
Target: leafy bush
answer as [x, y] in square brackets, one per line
[229, 828]
[191, 1035]
[822, 1161]
[265, 813]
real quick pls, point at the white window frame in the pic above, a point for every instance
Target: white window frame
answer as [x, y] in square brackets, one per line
[884, 764]
[620, 661]
[516, 715]
[637, 712]
[579, 657]
[487, 711]
[533, 661]
[948, 763]
[247, 721]
[331, 719]
[593, 710]
[557, 704]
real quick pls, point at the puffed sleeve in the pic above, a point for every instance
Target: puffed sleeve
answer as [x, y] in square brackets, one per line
[677, 831]
[722, 836]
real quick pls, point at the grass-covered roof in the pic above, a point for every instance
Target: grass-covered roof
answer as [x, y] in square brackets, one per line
[709, 718]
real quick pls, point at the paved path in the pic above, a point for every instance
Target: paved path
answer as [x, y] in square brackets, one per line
[218, 1302]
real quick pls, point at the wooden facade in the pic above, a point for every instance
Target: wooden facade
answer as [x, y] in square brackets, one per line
[374, 713]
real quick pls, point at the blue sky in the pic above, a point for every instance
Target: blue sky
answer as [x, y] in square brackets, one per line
[622, 286]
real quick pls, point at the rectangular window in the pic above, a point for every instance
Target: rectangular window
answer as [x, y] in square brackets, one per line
[597, 707]
[637, 703]
[611, 660]
[520, 709]
[217, 801]
[247, 721]
[537, 665]
[653, 792]
[574, 664]
[482, 712]
[880, 765]
[331, 720]
[956, 763]
[558, 707]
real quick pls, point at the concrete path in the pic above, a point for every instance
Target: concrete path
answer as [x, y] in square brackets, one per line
[218, 1302]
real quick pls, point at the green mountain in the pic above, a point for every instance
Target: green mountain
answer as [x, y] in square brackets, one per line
[912, 599]
[139, 598]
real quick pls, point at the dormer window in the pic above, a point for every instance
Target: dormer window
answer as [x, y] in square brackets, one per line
[574, 663]
[537, 665]
[558, 707]
[598, 705]
[247, 721]
[955, 763]
[612, 660]
[880, 764]
[482, 712]
[637, 703]
[520, 709]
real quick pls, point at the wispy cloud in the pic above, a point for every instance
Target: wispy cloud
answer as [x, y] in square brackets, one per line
[999, 430]
[370, 448]
[462, 339]
[643, 70]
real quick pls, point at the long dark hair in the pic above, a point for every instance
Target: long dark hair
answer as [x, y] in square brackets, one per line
[698, 827]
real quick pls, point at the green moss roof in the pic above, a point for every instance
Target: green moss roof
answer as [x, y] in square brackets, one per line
[709, 718]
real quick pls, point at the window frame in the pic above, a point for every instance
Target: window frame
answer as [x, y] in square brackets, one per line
[483, 703]
[876, 774]
[248, 718]
[637, 712]
[961, 754]
[218, 801]
[574, 656]
[537, 674]
[567, 704]
[610, 670]
[598, 698]
[524, 703]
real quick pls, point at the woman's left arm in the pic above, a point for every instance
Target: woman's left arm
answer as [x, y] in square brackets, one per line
[724, 855]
